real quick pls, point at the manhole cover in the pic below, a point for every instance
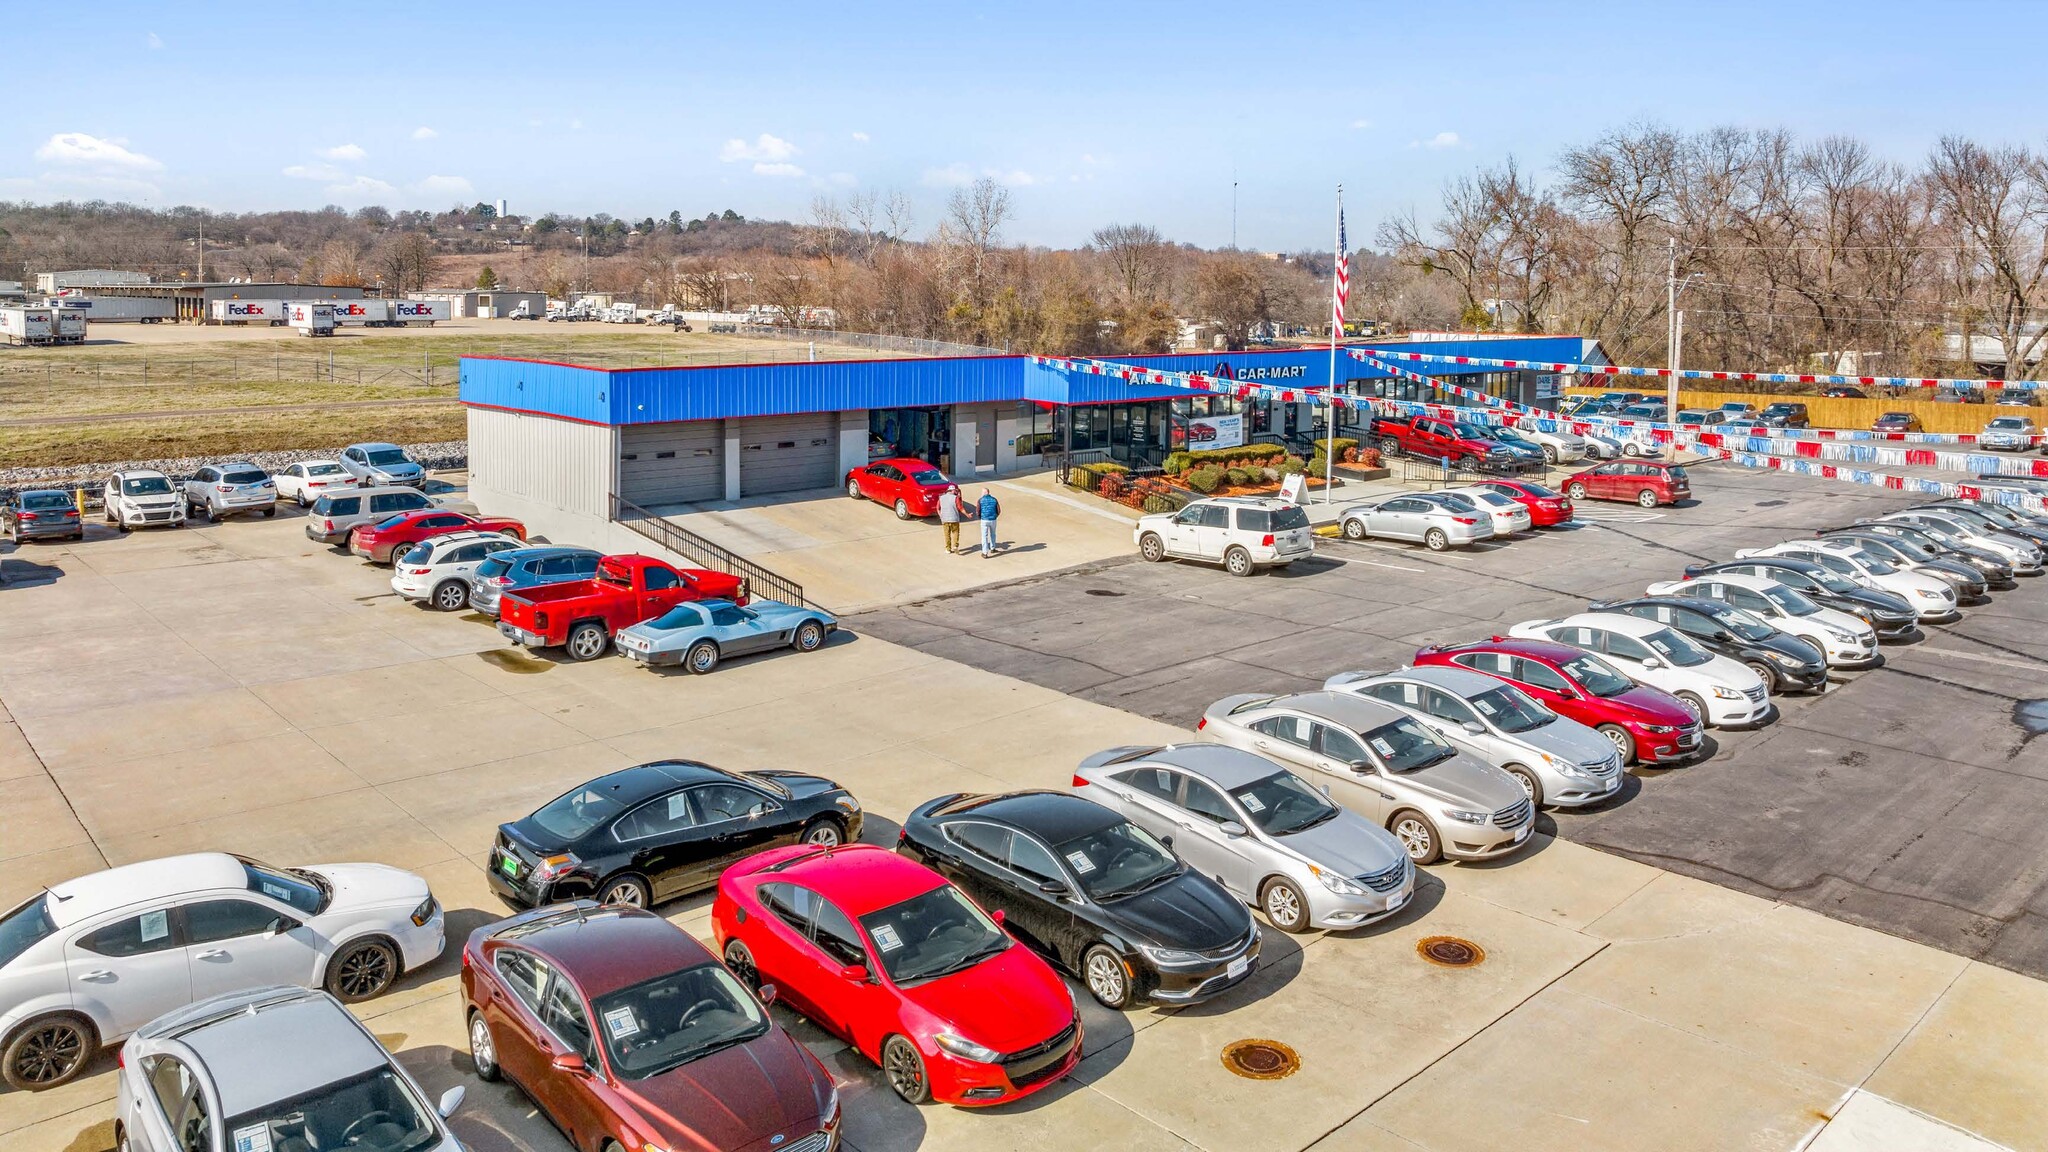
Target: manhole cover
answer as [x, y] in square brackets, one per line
[1260, 1059]
[1100, 592]
[1450, 951]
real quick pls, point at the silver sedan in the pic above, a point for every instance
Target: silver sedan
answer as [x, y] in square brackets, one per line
[1433, 519]
[1262, 832]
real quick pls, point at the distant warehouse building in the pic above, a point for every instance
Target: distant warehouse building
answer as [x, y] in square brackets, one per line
[489, 303]
[51, 283]
[193, 301]
[562, 445]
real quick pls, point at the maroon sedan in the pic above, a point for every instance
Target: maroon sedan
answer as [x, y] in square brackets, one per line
[628, 1034]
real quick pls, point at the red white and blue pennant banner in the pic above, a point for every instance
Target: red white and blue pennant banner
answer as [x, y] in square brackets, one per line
[1696, 374]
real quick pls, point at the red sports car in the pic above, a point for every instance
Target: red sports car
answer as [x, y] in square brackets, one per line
[1644, 723]
[628, 1034]
[1547, 508]
[908, 485]
[379, 542]
[915, 976]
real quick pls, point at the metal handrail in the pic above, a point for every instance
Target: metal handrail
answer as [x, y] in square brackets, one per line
[684, 542]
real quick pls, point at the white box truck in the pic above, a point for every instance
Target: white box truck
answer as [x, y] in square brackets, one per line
[365, 313]
[257, 312]
[311, 317]
[410, 312]
[28, 325]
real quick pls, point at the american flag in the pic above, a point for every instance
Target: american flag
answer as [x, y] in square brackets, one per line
[1343, 288]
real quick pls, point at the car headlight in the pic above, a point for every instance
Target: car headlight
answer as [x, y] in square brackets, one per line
[427, 910]
[1660, 729]
[1926, 594]
[1563, 767]
[1167, 955]
[1727, 694]
[1784, 661]
[1465, 817]
[968, 1049]
[1335, 883]
[1840, 636]
[847, 803]
[829, 1114]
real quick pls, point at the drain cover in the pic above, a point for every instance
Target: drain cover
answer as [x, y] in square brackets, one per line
[1450, 952]
[1260, 1059]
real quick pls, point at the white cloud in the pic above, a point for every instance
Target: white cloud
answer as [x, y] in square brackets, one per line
[843, 179]
[1441, 141]
[93, 151]
[772, 149]
[444, 187]
[951, 176]
[77, 185]
[424, 133]
[362, 188]
[1361, 123]
[862, 137]
[777, 170]
[155, 42]
[315, 172]
[344, 152]
[1016, 177]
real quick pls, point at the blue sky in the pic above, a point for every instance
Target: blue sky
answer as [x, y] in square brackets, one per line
[1092, 113]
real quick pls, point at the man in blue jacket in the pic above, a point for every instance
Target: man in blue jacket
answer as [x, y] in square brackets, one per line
[986, 509]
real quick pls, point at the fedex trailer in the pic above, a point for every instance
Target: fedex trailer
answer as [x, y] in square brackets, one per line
[364, 313]
[256, 312]
[128, 309]
[311, 317]
[67, 325]
[28, 325]
[409, 312]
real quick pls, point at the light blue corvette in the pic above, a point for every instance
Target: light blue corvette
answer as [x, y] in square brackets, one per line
[699, 634]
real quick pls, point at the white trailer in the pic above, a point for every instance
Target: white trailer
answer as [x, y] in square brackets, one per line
[28, 325]
[311, 317]
[126, 309]
[68, 324]
[410, 312]
[256, 312]
[366, 313]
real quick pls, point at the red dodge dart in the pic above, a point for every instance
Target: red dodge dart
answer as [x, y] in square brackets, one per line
[1643, 723]
[909, 486]
[379, 542]
[885, 953]
[1547, 507]
[628, 1034]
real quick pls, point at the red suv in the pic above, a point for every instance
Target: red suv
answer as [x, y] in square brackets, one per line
[1646, 482]
[1644, 723]
[379, 542]
[1546, 507]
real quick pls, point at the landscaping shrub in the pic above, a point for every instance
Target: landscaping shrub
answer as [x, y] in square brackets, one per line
[1205, 480]
[1270, 475]
[1177, 462]
[1239, 477]
[1088, 477]
[1158, 504]
[1293, 466]
[1371, 458]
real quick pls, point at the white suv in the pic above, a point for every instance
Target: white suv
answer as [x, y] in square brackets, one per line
[1720, 691]
[88, 961]
[142, 498]
[437, 571]
[1242, 533]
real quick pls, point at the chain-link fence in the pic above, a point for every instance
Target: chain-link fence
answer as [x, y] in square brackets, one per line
[870, 341]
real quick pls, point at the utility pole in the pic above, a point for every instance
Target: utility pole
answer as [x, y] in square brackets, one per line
[1233, 208]
[202, 247]
[1671, 334]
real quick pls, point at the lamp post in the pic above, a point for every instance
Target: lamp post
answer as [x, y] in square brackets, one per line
[1674, 331]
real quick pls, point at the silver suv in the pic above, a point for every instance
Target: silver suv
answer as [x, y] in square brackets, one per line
[382, 465]
[280, 1069]
[218, 491]
[336, 514]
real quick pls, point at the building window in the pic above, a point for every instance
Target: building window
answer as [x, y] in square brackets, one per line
[1036, 429]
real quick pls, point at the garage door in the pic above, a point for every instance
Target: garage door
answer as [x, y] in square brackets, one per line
[789, 453]
[672, 463]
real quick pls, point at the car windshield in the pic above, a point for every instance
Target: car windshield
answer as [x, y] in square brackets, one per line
[574, 815]
[418, 553]
[1117, 861]
[1455, 501]
[673, 1019]
[1405, 745]
[1745, 625]
[22, 927]
[384, 456]
[245, 476]
[1893, 418]
[1596, 675]
[324, 468]
[929, 478]
[680, 616]
[45, 501]
[2009, 423]
[1476, 432]
[1281, 804]
[388, 521]
[1830, 581]
[1674, 471]
[373, 1111]
[1793, 602]
[1538, 491]
[146, 486]
[305, 891]
[1495, 499]
[1681, 653]
[1289, 518]
[929, 936]
[1873, 563]
[493, 568]
[1511, 710]
[1778, 410]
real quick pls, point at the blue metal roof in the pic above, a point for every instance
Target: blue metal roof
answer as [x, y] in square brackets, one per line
[661, 395]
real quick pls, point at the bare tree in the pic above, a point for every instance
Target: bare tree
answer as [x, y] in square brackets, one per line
[1136, 255]
[976, 215]
[1994, 202]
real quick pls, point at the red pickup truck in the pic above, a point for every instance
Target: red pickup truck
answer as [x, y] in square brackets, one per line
[581, 616]
[1433, 438]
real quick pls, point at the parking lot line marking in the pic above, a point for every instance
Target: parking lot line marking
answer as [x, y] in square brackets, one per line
[1058, 498]
[2022, 665]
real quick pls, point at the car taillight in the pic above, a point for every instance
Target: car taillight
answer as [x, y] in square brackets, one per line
[554, 867]
[1464, 520]
[316, 483]
[223, 487]
[417, 571]
[1201, 724]
[1079, 782]
[1266, 541]
[500, 581]
[540, 619]
[29, 516]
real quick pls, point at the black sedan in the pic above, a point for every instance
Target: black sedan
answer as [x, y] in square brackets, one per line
[1091, 892]
[1785, 662]
[1886, 612]
[1974, 570]
[658, 831]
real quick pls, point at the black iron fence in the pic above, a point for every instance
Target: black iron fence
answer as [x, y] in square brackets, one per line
[683, 542]
[1464, 470]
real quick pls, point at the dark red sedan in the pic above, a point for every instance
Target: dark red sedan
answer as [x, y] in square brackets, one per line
[908, 485]
[628, 1034]
[883, 952]
[1643, 723]
[379, 542]
[1547, 508]
[1645, 482]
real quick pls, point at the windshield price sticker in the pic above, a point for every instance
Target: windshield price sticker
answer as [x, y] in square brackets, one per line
[1485, 706]
[1380, 746]
[678, 806]
[277, 891]
[1164, 777]
[254, 1138]
[886, 938]
[156, 926]
[1082, 864]
[1251, 802]
[620, 1023]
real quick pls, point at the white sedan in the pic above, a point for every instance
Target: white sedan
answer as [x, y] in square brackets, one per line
[1507, 515]
[309, 480]
[1843, 640]
[437, 571]
[1720, 691]
[1931, 596]
[89, 961]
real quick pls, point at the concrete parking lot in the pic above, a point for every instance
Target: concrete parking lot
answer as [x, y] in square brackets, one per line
[234, 687]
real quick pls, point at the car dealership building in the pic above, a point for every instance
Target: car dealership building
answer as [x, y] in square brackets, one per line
[560, 445]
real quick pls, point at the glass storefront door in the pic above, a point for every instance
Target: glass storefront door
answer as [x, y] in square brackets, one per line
[919, 433]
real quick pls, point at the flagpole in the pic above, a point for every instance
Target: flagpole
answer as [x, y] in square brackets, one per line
[1330, 394]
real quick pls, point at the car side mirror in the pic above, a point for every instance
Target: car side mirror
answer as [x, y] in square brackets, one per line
[1324, 789]
[282, 925]
[999, 916]
[1231, 828]
[1360, 766]
[854, 973]
[1054, 888]
[1724, 635]
[1566, 694]
[1653, 663]
[767, 994]
[1474, 727]
[449, 1102]
[571, 1063]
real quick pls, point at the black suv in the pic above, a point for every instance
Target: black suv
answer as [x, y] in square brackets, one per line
[1785, 663]
[1783, 415]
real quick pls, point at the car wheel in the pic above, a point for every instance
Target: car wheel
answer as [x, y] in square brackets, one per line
[1435, 540]
[303, 502]
[1694, 705]
[48, 1051]
[1576, 491]
[702, 657]
[902, 510]
[1354, 529]
[739, 960]
[1238, 562]
[904, 1069]
[451, 595]
[853, 489]
[1629, 449]
[362, 970]
[482, 1052]
[626, 891]
[1417, 836]
[587, 641]
[270, 511]
[1765, 673]
[1549, 455]
[824, 832]
[1647, 498]
[1531, 786]
[1284, 906]
[1151, 548]
[809, 637]
[1622, 741]
[1389, 446]
[1107, 979]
